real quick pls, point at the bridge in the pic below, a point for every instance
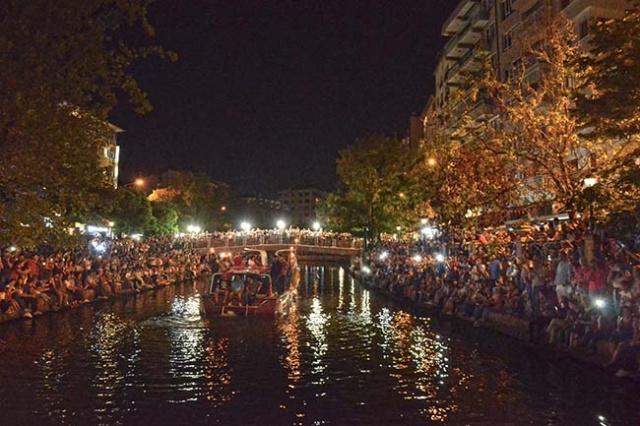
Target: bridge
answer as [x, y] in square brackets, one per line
[307, 248]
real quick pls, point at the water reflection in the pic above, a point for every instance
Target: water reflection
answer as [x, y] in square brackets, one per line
[343, 356]
[110, 342]
[198, 364]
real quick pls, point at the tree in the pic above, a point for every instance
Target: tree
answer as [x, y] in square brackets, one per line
[464, 180]
[166, 218]
[132, 212]
[608, 105]
[63, 66]
[537, 131]
[610, 99]
[379, 187]
[196, 199]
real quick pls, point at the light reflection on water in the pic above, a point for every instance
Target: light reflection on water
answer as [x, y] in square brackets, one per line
[341, 356]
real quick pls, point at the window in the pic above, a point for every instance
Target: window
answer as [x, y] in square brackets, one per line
[517, 64]
[583, 29]
[507, 40]
[506, 8]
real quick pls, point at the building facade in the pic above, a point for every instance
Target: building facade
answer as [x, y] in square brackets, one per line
[299, 205]
[505, 32]
[496, 28]
[110, 156]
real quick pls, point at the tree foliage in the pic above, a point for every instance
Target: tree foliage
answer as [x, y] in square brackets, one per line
[196, 199]
[610, 99]
[536, 131]
[463, 180]
[609, 106]
[63, 66]
[132, 212]
[380, 187]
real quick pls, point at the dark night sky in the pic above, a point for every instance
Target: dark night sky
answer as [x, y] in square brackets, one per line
[266, 93]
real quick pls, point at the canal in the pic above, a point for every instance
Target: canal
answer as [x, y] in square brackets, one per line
[343, 356]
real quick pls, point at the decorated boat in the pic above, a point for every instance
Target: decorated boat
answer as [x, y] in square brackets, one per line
[247, 289]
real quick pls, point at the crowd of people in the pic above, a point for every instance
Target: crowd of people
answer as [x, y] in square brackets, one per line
[273, 236]
[572, 295]
[31, 283]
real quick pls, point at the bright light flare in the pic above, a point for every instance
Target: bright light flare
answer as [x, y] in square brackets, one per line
[194, 229]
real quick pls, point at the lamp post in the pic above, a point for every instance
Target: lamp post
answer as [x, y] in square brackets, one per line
[281, 225]
[316, 228]
[588, 188]
[589, 191]
[246, 227]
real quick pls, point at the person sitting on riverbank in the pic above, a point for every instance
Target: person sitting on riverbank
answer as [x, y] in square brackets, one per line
[624, 330]
[625, 356]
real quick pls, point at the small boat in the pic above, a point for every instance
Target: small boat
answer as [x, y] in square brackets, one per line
[238, 292]
[244, 290]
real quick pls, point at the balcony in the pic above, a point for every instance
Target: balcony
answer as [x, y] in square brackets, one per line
[459, 18]
[468, 33]
[482, 18]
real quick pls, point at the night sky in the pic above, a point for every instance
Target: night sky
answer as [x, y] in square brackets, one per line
[266, 93]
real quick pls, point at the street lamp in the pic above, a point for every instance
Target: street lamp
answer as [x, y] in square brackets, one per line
[589, 183]
[316, 227]
[246, 227]
[281, 225]
[194, 229]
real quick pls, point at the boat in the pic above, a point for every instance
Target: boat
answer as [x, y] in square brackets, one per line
[247, 289]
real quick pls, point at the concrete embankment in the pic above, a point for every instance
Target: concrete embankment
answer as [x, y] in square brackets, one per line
[90, 296]
[523, 330]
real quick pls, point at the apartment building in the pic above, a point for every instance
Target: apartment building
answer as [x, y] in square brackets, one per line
[109, 156]
[497, 27]
[299, 205]
[503, 31]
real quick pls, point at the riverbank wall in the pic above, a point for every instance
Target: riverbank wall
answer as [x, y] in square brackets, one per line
[523, 330]
[90, 297]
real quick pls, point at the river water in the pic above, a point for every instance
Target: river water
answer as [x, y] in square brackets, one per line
[341, 356]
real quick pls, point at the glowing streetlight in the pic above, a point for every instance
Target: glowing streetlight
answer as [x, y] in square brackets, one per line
[281, 225]
[139, 182]
[588, 185]
[246, 227]
[194, 229]
[316, 227]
